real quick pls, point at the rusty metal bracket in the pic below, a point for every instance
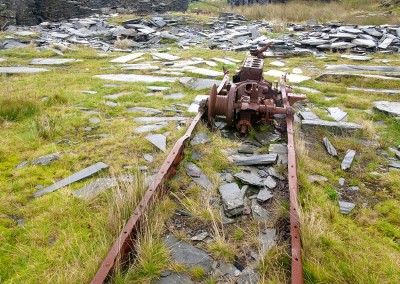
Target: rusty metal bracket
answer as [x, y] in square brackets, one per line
[125, 243]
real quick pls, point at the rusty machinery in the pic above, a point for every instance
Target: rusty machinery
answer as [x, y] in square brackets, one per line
[249, 99]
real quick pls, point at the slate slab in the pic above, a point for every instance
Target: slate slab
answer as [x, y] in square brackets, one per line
[159, 119]
[390, 108]
[200, 138]
[46, 160]
[174, 96]
[85, 173]
[348, 160]
[266, 137]
[198, 176]
[267, 240]
[346, 207]
[232, 199]
[337, 113]
[249, 178]
[282, 151]
[293, 78]
[188, 255]
[266, 159]
[140, 67]
[51, 61]
[95, 188]
[248, 276]
[151, 127]
[158, 140]
[21, 70]
[332, 126]
[145, 110]
[138, 78]
[205, 72]
[174, 278]
[329, 147]
[264, 195]
[308, 115]
[258, 212]
[166, 56]
[273, 172]
[127, 58]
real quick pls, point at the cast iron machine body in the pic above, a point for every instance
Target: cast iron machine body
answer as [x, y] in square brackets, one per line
[249, 99]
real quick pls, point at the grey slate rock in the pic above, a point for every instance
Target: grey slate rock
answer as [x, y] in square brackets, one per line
[21, 165]
[364, 43]
[174, 96]
[329, 147]
[188, 255]
[282, 151]
[149, 158]
[333, 126]
[200, 138]
[394, 165]
[267, 240]
[316, 178]
[158, 140]
[266, 138]
[337, 113]
[308, 115]
[152, 127]
[346, 207]
[145, 110]
[348, 160]
[258, 212]
[85, 173]
[266, 159]
[94, 120]
[270, 182]
[174, 278]
[51, 61]
[264, 195]
[232, 199]
[272, 172]
[198, 176]
[200, 236]
[21, 70]
[390, 108]
[225, 270]
[95, 188]
[46, 160]
[248, 276]
[249, 178]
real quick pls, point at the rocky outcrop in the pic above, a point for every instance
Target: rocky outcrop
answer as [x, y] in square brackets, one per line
[32, 12]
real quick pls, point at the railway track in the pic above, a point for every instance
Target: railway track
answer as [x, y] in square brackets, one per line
[236, 111]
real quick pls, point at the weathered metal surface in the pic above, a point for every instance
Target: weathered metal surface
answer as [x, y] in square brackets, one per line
[297, 267]
[126, 240]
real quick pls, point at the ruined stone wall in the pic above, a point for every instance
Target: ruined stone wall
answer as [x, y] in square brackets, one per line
[31, 12]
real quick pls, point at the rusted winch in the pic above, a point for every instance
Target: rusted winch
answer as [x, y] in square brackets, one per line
[249, 99]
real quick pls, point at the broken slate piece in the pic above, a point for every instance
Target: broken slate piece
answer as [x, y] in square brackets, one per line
[232, 199]
[266, 159]
[264, 195]
[127, 58]
[316, 178]
[200, 138]
[390, 108]
[329, 147]
[272, 172]
[85, 173]
[21, 165]
[333, 126]
[249, 178]
[267, 240]
[348, 160]
[158, 140]
[267, 137]
[175, 278]
[336, 113]
[248, 276]
[149, 158]
[200, 236]
[308, 115]
[152, 127]
[188, 255]
[258, 212]
[46, 160]
[198, 176]
[394, 165]
[20, 70]
[146, 110]
[51, 61]
[95, 188]
[270, 182]
[346, 207]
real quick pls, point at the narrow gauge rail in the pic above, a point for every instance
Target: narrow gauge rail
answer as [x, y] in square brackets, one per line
[125, 243]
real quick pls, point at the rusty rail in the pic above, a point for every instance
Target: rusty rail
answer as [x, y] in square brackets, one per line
[125, 241]
[297, 267]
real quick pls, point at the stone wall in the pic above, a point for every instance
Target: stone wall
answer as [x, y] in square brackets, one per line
[32, 12]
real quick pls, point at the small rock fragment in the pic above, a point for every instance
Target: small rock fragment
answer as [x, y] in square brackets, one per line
[346, 207]
[329, 147]
[348, 160]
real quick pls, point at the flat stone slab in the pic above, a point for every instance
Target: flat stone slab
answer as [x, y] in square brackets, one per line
[46, 160]
[85, 173]
[340, 75]
[200, 138]
[127, 58]
[346, 207]
[248, 276]
[348, 160]
[205, 72]
[308, 115]
[390, 108]
[282, 151]
[194, 107]
[344, 67]
[232, 199]
[95, 188]
[197, 175]
[158, 88]
[159, 119]
[333, 126]
[140, 67]
[166, 56]
[249, 178]
[188, 255]
[317, 178]
[138, 78]
[371, 90]
[224, 61]
[264, 195]
[158, 140]
[356, 57]
[258, 212]
[174, 278]
[145, 110]
[151, 127]
[267, 240]
[174, 96]
[337, 113]
[266, 159]
[52, 61]
[329, 147]
[199, 83]
[267, 137]
[21, 70]
[294, 78]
